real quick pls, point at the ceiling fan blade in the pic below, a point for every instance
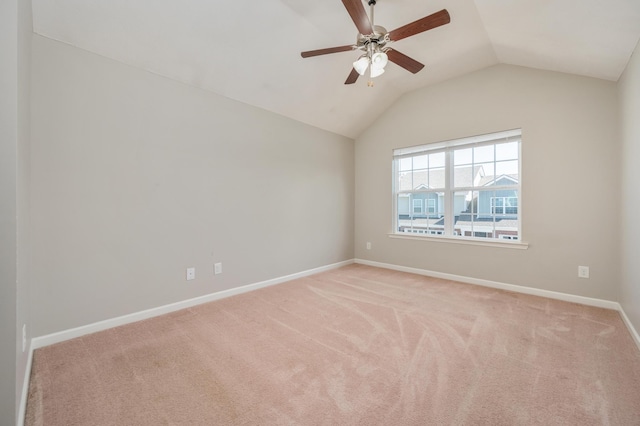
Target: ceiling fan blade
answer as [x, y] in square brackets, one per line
[427, 23]
[318, 52]
[352, 77]
[404, 61]
[359, 16]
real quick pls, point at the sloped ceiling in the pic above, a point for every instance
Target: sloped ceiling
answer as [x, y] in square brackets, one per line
[250, 50]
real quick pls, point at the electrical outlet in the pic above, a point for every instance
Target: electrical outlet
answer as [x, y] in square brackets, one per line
[24, 337]
[191, 274]
[368, 245]
[583, 272]
[217, 268]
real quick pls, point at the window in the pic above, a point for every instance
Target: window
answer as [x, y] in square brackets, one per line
[431, 206]
[417, 206]
[504, 205]
[466, 188]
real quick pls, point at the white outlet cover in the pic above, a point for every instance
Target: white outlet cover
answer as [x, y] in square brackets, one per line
[583, 272]
[217, 268]
[191, 274]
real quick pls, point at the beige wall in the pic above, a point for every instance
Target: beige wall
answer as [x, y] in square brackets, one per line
[15, 52]
[629, 95]
[8, 222]
[23, 208]
[570, 179]
[136, 177]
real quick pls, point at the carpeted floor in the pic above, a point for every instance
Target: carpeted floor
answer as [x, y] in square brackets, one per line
[353, 346]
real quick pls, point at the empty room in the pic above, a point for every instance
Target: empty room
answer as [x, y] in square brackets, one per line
[337, 212]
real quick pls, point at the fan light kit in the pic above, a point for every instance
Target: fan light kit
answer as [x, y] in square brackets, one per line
[373, 40]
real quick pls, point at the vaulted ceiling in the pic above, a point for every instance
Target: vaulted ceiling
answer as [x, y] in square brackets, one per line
[250, 50]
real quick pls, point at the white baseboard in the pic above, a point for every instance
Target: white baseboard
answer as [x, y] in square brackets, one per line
[50, 339]
[632, 330]
[495, 284]
[600, 303]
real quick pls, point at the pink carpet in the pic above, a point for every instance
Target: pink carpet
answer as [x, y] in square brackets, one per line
[353, 346]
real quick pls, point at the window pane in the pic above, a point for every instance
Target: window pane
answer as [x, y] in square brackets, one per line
[421, 213]
[420, 179]
[439, 197]
[464, 206]
[511, 205]
[420, 162]
[405, 225]
[483, 221]
[436, 178]
[463, 203]
[507, 168]
[483, 154]
[405, 181]
[462, 156]
[436, 160]
[463, 176]
[502, 213]
[506, 228]
[405, 164]
[507, 151]
[488, 202]
[403, 204]
[404, 212]
[486, 172]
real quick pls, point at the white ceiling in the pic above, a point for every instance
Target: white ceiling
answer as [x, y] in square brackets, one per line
[250, 50]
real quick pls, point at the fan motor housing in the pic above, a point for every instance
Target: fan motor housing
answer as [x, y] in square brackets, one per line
[380, 37]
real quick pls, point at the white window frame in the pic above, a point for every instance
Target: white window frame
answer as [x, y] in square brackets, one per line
[448, 147]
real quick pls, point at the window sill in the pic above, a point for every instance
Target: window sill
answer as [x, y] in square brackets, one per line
[467, 241]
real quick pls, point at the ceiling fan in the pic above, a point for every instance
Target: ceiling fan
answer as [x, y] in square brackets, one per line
[373, 39]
